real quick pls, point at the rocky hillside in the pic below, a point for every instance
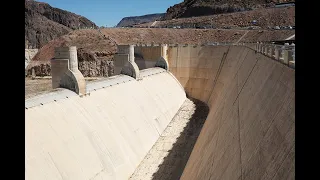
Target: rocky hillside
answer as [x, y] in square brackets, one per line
[133, 20]
[265, 18]
[96, 50]
[190, 8]
[44, 23]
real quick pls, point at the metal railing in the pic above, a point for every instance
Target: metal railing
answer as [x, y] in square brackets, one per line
[284, 54]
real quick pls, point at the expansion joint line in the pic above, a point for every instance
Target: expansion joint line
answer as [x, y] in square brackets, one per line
[240, 153]
[246, 81]
[219, 70]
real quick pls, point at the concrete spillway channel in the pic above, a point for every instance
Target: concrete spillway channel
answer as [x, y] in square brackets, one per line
[169, 155]
[220, 112]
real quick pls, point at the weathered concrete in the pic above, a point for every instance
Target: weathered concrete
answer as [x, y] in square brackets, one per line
[64, 70]
[249, 132]
[125, 61]
[103, 135]
[169, 155]
[276, 53]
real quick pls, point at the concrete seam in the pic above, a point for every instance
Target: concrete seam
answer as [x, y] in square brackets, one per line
[246, 81]
[218, 73]
[224, 56]
[177, 58]
[278, 111]
[55, 165]
[240, 154]
[282, 162]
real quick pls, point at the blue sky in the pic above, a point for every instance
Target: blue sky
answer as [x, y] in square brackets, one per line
[110, 12]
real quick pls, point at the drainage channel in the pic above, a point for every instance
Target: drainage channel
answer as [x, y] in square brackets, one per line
[169, 155]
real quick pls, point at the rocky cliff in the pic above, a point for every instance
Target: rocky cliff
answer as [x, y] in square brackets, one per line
[190, 8]
[44, 23]
[133, 20]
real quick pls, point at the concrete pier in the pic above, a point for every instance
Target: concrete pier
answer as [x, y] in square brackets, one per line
[65, 72]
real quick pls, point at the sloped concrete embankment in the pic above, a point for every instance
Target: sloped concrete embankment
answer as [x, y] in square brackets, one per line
[249, 131]
[104, 135]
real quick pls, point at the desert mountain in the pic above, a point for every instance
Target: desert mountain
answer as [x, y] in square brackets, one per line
[191, 8]
[133, 20]
[44, 23]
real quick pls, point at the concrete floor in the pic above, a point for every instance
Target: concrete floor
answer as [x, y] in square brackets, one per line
[169, 155]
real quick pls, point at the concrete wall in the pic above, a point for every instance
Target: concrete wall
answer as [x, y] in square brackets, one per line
[103, 135]
[249, 132]
[149, 53]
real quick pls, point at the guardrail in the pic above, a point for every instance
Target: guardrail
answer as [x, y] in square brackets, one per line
[284, 54]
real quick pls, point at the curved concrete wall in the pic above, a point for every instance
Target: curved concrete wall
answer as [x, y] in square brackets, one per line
[249, 132]
[104, 135]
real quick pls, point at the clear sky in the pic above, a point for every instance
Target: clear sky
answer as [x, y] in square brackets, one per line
[110, 12]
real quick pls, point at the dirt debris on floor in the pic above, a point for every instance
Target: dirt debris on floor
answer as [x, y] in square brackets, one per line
[169, 155]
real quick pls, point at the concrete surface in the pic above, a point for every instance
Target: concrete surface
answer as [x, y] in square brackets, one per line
[169, 155]
[249, 132]
[65, 72]
[103, 135]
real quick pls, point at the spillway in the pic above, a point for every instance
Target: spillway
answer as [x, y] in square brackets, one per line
[107, 134]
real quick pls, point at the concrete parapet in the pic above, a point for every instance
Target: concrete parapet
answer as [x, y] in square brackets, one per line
[284, 57]
[287, 56]
[64, 70]
[260, 47]
[281, 52]
[276, 53]
[292, 64]
[265, 52]
[271, 51]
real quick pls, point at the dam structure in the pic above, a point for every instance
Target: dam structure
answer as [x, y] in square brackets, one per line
[172, 111]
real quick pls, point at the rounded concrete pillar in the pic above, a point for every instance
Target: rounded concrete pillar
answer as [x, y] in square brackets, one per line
[73, 59]
[276, 53]
[131, 53]
[164, 50]
[68, 53]
[294, 53]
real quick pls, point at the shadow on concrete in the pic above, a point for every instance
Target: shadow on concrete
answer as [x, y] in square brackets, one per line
[175, 162]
